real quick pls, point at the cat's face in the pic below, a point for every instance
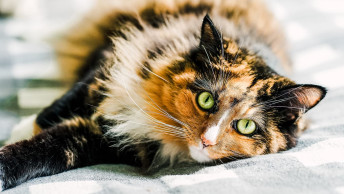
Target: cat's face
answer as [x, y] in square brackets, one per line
[224, 102]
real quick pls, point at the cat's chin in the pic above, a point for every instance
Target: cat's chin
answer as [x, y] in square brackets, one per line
[199, 154]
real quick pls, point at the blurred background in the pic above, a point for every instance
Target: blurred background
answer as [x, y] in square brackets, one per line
[30, 78]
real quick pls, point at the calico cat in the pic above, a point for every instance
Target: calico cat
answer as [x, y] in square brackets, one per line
[165, 82]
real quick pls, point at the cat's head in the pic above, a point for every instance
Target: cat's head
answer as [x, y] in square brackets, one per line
[223, 102]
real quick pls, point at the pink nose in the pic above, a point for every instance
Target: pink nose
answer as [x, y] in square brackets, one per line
[206, 142]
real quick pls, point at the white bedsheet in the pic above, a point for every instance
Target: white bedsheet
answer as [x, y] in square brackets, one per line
[315, 29]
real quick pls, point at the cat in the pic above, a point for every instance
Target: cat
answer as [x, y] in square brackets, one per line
[166, 82]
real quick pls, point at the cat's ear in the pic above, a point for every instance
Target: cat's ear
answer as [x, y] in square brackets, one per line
[297, 99]
[211, 38]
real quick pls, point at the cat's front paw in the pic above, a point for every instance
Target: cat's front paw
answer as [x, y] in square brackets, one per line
[2, 174]
[2, 185]
[8, 165]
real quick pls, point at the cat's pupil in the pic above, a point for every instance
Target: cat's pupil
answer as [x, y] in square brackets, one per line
[206, 100]
[246, 124]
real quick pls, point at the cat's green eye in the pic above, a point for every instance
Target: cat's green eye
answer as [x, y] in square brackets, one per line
[205, 100]
[246, 126]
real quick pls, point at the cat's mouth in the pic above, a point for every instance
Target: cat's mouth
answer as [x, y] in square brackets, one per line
[199, 153]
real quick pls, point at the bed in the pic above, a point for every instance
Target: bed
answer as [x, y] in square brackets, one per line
[29, 80]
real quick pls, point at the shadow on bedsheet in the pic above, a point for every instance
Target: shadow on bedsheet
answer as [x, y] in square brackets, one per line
[126, 170]
[136, 171]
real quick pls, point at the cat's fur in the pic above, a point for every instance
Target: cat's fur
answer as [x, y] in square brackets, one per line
[141, 66]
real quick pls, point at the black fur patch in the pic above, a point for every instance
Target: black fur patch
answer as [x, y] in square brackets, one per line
[156, 51]
[150, 16]
[197, 9]
[261, 71]
[120, 22]
[178, 67]
[76, 102]
[94, 60]
[145, 70]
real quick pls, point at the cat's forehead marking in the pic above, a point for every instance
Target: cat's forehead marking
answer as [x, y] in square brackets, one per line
[185, 77]
[212, 132]
[267, 86]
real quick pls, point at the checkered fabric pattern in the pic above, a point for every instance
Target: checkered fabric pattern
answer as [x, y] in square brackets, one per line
[29, 80]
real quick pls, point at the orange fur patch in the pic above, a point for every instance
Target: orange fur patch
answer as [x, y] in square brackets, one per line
[36, 129]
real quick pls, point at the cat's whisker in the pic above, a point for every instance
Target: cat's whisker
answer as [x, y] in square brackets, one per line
[221, 160]
[139, 62]
[166, 125]
[292, 90]
[274, 101]
[205, 50]
[149, 116]
[209, 62]
[146, 114]
[175, 127]
[290, 107]
[170, 126]
[164, 113]
[236, 154]
[236, 55]
[171, 134]
[204, 84]
[222, 49]
[163, 129]
[280, 100]
[102, 113]
[155, 74]
[170, 130]
[230, 158]
[167, 129]
[167, 114]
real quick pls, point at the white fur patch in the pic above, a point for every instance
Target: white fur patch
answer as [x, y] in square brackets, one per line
[199, 154]
[23, 130]
[212, 132]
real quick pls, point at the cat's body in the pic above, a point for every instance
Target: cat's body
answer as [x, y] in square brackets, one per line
[159, 83]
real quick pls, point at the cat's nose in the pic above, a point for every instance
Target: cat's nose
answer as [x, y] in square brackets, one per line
[206, 142]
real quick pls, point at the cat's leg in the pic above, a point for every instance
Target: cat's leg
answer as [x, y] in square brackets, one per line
[80, 100]
[73, 103]
[73, 143]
